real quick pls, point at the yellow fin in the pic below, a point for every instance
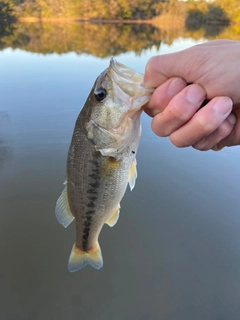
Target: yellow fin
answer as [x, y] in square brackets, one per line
[114, 217]
[62, 210]
[79, 259]
[132, 174]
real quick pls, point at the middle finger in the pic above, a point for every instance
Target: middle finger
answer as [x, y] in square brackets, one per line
[179, 110]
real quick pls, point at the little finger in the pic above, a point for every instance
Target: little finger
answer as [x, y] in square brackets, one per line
[215, 137]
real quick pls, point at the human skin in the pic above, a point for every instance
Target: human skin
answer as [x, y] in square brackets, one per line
[183, 81]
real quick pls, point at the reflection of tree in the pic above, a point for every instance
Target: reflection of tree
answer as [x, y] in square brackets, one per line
[100, 40]
[103, 39]
[209, 31]
[6, 19]
[213, 20]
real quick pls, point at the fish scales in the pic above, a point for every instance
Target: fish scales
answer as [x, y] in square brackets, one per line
[101, 160]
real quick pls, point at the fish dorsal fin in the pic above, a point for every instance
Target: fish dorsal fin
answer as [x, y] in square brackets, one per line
[114, 217]
[79, 259]
[62, 210]
[132, 174]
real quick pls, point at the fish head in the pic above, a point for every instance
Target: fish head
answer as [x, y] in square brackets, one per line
[114, 105]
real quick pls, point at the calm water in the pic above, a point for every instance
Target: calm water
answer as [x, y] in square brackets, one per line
[175, 251]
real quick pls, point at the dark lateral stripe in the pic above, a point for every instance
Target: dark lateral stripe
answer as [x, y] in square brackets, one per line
[94, 162]
[93, 175]
[92, 198]
[94, 184]
[90, 212]
[92, 191]
[87, 222]
[90, 204]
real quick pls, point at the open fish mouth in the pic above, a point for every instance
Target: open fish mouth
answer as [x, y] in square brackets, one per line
[122, 72]
[130, 82]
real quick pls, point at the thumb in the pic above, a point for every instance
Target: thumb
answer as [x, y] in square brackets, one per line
[190, 64]
[160, 68]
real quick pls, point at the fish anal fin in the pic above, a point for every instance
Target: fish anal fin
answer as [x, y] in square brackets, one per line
[79, 259]
[132, 174]
[114, 217]
[62, 210]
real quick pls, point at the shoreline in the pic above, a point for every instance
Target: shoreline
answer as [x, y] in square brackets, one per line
[156, 20]
[169, 21]
[76, 19]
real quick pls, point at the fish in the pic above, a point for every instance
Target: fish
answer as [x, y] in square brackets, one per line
[102, 160]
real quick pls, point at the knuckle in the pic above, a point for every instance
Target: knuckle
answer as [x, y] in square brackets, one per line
[177, 142]
[181, 116]
[157, 128]
[160, 127]
[224, 129]
[205, 125]
[159, 131]
[202, 144]
[151, 64]
[201, 148]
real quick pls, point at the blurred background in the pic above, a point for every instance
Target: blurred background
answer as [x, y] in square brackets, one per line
[175, 252]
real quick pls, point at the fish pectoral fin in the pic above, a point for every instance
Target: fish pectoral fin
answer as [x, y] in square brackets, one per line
[114, 217]
[132, 174]
[62, 210]
[79, 259]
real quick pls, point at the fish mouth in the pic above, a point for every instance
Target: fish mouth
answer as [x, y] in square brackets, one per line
[130, 83]
[123, 72]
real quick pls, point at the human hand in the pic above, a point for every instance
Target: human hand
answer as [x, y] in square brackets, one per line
[213, 69]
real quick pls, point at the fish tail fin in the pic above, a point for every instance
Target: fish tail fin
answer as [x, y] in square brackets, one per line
[79, 259]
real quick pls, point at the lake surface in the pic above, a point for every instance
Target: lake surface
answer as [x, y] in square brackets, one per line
[174, 253]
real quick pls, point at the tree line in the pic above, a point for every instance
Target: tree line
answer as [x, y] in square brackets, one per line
[87, 9]
[121, 9]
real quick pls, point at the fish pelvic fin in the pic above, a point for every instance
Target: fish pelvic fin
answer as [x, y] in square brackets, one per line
[114, 217]
[79, 259]
[132, 174]
[62, 210]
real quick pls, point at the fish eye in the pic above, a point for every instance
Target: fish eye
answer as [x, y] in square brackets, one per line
[100, 94]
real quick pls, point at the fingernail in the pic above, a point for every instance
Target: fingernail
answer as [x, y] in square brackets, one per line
[223, 105]
[216, 148]
[195, 94]
[232, 119]
[176, 86]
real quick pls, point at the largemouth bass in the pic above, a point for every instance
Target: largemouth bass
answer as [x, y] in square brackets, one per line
[102, 160]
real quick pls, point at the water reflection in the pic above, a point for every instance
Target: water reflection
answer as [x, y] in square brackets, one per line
[103, 39]
[100, 40]
[174, 254]
[5, 153]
